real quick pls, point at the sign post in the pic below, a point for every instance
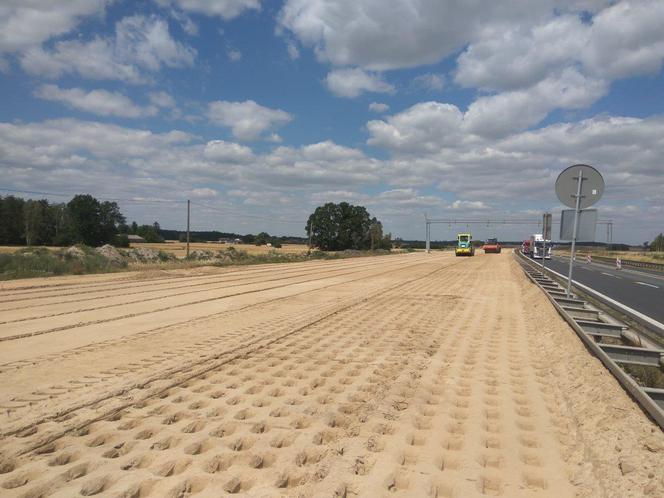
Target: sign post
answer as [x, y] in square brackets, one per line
[578, 186]
[546, 234]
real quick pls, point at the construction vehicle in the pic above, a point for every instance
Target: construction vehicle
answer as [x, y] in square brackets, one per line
[464, 245]
[537, 247]
[491, 245]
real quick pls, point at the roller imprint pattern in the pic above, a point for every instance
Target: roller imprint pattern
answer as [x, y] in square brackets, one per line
[395, 377]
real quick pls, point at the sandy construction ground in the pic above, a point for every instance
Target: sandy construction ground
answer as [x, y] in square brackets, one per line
[408, 375]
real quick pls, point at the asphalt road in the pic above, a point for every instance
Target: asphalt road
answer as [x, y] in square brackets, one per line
[640, 290]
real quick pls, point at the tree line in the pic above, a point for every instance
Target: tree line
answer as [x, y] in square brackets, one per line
[82, 220]
[86, 220]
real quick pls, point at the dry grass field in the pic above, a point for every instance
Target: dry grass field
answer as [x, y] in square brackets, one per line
[406, 375]
[180, 249]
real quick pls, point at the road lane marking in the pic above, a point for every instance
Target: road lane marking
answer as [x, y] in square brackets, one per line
[649, 285]
[610, 275]
[630, 311]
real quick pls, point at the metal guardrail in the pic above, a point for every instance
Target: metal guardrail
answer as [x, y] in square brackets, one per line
[627, 262]
[592, 330]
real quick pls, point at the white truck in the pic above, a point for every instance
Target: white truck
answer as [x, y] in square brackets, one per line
[537, 245]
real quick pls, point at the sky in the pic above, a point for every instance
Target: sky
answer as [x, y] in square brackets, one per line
[259, 111]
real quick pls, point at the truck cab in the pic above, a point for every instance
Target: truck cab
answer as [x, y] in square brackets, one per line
[464, 245]
[537, 247]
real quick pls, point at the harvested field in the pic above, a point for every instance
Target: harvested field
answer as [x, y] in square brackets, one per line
[408, 375]
[179, 249]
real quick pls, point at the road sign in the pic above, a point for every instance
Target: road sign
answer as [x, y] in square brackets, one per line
[586, 225]
[592, 186]
[546, 226]
[579, 186]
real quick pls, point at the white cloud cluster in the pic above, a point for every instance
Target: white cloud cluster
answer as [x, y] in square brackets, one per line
[622, 40]
[503, 177]
[141, 47]
[391, 34]
[433, 124]
[533, 57]
[100, 102]
[226, 9]
[351, 82]
[25, 24]
[247, 120]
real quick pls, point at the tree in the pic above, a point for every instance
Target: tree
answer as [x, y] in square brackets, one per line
[262, 239]
[93, 223]
[336, 227]
[658, 243]
[39, 223]
[11, 220]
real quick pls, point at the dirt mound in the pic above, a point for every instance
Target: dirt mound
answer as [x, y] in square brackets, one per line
[200, 254]
[113, 256]
[143, 255]
[75, 252]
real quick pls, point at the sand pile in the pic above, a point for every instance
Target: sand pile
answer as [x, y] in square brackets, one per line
[114, 257]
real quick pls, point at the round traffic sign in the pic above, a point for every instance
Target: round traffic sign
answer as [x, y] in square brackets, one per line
[592, 185]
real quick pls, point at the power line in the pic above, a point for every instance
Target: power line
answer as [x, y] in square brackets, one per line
[245, 215]
[114, 199]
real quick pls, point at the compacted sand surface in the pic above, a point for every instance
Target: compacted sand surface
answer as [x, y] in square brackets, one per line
[408, 375]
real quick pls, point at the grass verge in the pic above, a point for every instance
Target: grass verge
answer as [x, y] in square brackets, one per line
[78, 260]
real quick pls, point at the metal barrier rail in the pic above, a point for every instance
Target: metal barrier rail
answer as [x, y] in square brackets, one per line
[631, 262]
[592, 330]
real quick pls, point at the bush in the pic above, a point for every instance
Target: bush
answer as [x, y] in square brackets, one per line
[120, 240]
[41, 262]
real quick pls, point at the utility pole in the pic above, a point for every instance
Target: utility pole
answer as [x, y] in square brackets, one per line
[311, 232]
[188, 218]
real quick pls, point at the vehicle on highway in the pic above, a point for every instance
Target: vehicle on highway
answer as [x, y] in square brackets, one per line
[537, 247]
[492, 245]
[525, 247]
[464, 245]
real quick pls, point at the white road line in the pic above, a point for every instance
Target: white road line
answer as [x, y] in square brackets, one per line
[649, 285]
[610, 275]
[658, 325]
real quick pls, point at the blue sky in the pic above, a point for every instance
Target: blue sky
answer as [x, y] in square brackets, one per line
[259, 111]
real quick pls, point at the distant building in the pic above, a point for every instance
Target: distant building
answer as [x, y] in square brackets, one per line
[135, 239]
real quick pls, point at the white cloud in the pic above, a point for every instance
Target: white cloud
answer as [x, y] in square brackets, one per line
[626, 39]
[430, 126]
[227, 152]
[141, 45]
[162, 99]
[424, 127]
[351, 82]
[100, 102]
[203, 193]
[429, 82]
[391, 34]
[25, 24]
[622, 40]
[498, 115]
[505, 177]
[465, 205]
[233, 54]
[293, 51]
[379, 107]
[226, 9]
[247, 120]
